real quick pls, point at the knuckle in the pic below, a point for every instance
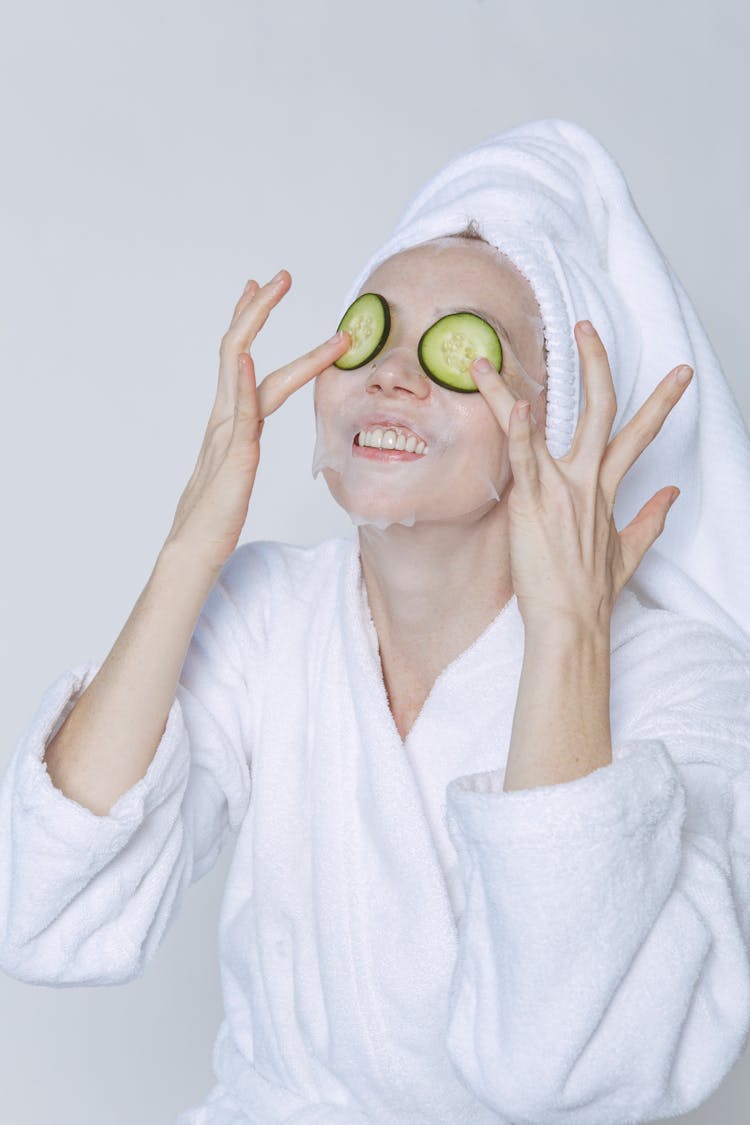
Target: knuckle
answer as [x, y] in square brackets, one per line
[230, 341]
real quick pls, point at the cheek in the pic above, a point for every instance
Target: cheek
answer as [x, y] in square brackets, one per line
[481, 449]
[489, 436]
[324, 389]
[492, 449]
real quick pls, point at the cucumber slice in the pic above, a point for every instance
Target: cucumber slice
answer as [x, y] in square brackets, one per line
[368, 322]
[449, 347]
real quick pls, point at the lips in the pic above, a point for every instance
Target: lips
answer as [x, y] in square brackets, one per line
[391, 423]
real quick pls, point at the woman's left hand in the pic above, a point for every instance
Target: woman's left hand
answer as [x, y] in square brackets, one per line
[568, 560]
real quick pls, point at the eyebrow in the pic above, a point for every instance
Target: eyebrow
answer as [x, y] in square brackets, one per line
[493, 320]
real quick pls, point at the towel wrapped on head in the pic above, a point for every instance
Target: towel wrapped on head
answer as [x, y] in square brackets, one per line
[551, 198]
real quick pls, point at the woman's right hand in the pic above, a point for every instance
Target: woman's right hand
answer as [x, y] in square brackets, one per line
[213, 508]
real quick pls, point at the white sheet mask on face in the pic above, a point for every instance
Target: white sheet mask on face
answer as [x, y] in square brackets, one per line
[464, 467]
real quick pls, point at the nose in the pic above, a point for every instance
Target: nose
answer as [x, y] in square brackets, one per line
[398, 370]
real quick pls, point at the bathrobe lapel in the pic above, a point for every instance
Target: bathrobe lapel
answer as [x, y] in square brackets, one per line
[391, 870]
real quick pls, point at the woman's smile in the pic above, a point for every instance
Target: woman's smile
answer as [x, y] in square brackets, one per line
[389, 450]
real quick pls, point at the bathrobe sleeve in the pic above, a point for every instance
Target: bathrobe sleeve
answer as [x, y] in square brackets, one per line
[603, 971]
[86, 899]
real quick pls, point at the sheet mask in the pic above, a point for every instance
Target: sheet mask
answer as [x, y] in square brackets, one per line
[454, 476]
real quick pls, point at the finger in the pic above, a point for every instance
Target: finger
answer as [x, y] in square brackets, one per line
[240, 335]
[501, 401]
[600, 406]
[521, 452]
[247, 393]
[224, 409]
[494, 390]
[247, 424]
[644, 529]
[280, 384]
[248, 293]
[254, 313]
[628, 444]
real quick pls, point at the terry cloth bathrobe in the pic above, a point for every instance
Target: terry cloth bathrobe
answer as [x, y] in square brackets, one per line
[402, 942]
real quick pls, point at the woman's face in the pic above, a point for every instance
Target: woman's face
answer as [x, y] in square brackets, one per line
[466, 465]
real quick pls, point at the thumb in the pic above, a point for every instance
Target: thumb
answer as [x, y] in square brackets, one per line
[645, 528]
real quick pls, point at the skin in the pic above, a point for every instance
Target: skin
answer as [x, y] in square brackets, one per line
[434, 587]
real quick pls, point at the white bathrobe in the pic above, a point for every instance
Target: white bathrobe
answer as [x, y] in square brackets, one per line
[402, 942]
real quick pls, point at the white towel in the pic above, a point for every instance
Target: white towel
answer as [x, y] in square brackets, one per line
[550, 196]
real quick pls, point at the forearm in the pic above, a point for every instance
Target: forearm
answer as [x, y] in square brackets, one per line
[561, 728]
[108, 740]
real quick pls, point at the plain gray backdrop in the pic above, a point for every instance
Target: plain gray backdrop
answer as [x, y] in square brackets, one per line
[154, 157]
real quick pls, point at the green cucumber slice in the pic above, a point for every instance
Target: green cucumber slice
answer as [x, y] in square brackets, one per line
[449, 347]
[368, 322]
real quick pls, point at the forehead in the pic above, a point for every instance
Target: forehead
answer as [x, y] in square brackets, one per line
[455, 269]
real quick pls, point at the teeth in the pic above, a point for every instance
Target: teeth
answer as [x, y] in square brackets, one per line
[390, 439]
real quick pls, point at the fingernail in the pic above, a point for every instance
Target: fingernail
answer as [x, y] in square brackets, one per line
[483, 364]
[277, 278]
[247, 286]
[336, 337]
[587, 327]
[683, 375]
[675, 494]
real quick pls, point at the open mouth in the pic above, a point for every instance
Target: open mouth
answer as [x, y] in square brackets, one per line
[383, 454]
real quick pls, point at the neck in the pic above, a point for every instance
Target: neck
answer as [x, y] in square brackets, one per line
[434, 587]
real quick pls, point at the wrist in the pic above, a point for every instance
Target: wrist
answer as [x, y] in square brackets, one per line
[569, 632]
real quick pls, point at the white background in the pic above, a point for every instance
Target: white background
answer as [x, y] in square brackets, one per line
[156, 155]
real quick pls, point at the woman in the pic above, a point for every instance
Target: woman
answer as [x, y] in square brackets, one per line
[494, 864]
